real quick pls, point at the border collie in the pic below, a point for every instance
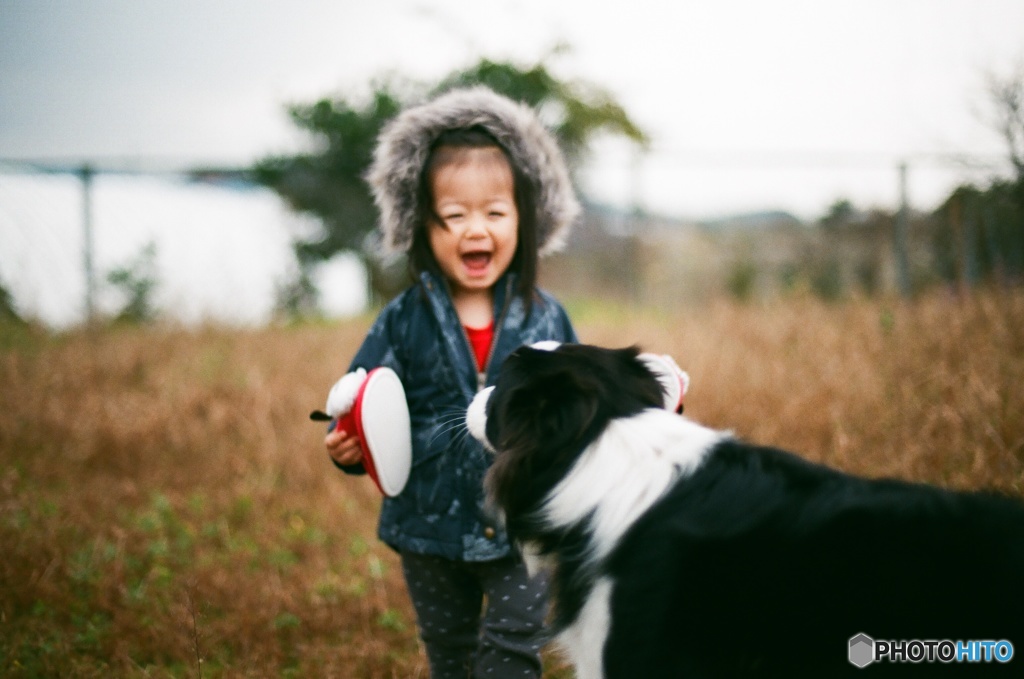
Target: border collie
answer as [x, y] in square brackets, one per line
[678, 551]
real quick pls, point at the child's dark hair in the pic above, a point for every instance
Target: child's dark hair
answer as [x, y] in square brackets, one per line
[524, 261]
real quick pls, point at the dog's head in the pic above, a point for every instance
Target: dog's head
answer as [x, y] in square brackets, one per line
[549, 403]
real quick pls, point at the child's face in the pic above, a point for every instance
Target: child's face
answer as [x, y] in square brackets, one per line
[476, 239]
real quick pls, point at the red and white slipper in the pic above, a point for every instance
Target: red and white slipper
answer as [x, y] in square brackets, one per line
[380, 418]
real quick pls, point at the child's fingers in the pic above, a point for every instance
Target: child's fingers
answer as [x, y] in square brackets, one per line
[349, 457]
[342, 448]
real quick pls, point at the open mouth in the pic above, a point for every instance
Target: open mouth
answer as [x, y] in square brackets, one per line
[476, 261]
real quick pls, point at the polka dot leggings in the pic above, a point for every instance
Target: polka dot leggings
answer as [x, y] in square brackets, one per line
[479, 620]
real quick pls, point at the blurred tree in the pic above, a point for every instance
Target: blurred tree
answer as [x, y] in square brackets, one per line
[328, 182]
[979, 233]
[137, 281]
[8, 311]
[839, 214]
[1007, 94]
[575, 111]
[741, 280]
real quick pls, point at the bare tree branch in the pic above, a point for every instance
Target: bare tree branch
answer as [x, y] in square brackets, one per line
[1007, 93]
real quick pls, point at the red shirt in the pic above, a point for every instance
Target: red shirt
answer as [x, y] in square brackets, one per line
[480, 339]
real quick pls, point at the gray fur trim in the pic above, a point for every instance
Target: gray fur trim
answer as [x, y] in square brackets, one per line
[404, 144]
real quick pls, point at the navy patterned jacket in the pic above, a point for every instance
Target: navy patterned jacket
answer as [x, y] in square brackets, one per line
[419, 336]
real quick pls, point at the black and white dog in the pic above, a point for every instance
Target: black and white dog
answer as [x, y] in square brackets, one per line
[679, 551]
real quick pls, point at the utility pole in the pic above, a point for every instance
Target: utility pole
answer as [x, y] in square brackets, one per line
[900, 236]
[638, 265]
[85, 174]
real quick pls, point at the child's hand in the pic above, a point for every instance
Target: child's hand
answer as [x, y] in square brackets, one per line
[343, 447]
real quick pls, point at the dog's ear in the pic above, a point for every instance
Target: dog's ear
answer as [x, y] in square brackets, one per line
[555, 408]
[543, 425]
[566, 408]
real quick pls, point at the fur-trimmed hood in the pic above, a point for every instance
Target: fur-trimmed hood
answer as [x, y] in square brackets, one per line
[404, 144]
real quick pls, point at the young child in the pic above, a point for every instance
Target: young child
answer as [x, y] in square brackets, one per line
[474, 187]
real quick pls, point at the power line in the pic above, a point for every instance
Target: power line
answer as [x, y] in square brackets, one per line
[835, 159]
[120, 165]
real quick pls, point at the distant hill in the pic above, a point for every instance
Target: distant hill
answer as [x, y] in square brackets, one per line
[752, 220]
[621, 221]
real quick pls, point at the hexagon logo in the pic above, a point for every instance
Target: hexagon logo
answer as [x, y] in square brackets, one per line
[862, 650]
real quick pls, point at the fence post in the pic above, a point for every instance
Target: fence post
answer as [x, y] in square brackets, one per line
[85, 174]
[900, 236]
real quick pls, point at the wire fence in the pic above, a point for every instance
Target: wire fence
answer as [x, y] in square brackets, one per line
[220, 250]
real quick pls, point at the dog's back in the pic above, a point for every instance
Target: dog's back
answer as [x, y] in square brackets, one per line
[762, 564]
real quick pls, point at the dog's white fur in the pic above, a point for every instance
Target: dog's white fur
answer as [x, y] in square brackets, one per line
[589, 632]
[625, 471]
[618, 478]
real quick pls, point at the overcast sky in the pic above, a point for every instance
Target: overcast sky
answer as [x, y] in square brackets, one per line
[751, 103]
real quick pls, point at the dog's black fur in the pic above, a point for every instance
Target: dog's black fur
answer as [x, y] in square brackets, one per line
[753, 562]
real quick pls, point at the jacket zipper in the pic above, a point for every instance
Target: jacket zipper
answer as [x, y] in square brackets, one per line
[481, 375]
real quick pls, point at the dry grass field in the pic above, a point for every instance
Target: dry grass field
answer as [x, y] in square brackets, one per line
[167, 510]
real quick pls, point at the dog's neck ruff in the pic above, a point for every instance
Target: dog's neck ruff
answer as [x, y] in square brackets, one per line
[622, 473]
